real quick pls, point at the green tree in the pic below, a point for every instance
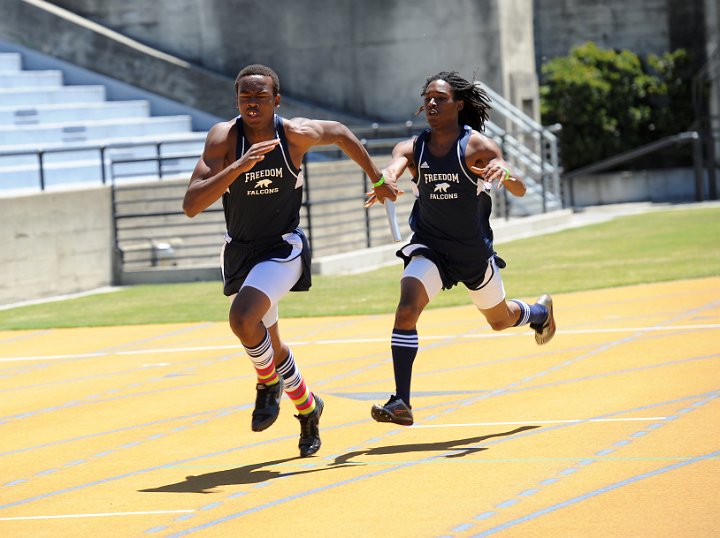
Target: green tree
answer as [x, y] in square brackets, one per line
[611, 101]
[670, 93]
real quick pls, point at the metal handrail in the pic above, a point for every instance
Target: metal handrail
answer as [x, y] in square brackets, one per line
[691, 137]
[374, 136]
[641, 151]
[100, 148]
[517, 116]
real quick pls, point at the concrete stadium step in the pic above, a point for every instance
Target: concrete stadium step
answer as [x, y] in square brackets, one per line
[70, 112]
[31, 79]
[78, 137]
[10, 61]
[62, 94]
[93, 130]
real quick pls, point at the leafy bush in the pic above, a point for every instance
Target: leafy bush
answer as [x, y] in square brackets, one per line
[611, 101]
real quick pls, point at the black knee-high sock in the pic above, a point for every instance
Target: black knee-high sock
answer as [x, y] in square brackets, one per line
[404, 345]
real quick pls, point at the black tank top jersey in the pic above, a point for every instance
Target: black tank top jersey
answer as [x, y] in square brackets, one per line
[449, 209]
[264, 203]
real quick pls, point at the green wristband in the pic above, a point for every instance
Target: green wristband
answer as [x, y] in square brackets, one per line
[379, 182]
[507, 174]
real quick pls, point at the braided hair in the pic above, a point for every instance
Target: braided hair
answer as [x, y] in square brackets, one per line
[477, 102]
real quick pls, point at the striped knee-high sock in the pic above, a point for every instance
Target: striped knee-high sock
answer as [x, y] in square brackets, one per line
[404, 345]
[262, 358]
[535, 314]
[295, 386]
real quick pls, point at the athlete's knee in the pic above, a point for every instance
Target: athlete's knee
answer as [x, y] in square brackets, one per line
[243, 321]
[406, 315]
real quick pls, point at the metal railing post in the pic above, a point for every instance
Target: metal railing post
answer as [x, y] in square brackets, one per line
[543, 186]
[117, 254]
[710, 160]
[554, 156]
[159, 160]
[41, 169]
[505, 200]
[102, 165]
[698, 168]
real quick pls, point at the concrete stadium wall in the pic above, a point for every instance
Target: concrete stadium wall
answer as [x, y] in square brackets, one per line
[671, 185]
[55, 243]
[367, 58]
[49, 30]
[642, 26]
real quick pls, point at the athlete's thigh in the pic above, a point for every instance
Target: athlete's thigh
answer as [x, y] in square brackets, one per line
[424, 271]
[492, 290]
[274, 279]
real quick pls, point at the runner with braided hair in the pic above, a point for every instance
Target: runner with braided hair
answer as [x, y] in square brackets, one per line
[477, 111]
[453, 167]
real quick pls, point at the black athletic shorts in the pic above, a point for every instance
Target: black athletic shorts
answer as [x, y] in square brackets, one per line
[456, 262]
[239, 257]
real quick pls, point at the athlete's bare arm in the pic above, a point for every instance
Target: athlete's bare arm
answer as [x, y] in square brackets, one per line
[217, 168]
[484, 157]
[303, 134]
[402, 159]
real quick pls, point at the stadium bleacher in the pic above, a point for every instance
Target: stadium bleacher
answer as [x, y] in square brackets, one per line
[70, 124]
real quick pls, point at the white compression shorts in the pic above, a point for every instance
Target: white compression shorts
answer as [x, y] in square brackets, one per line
[274, 279]
[490, 293]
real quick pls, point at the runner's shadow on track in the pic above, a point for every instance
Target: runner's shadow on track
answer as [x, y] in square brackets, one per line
[249, 474]
[453, 446]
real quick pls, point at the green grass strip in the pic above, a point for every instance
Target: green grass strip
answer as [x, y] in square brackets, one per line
[650, 247]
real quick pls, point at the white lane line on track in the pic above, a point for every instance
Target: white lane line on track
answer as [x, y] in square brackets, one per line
[107, 514]
[356, 341]
[514, 423]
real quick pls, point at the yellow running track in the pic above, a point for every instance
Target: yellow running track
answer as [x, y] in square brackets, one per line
[611, 430]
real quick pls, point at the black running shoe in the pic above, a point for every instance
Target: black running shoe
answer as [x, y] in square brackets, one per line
[310, 430]
[267, 405]
[395, 410]
[545, 332]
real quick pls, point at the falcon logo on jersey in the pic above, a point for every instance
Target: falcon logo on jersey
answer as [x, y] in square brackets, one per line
[263, 187]
[440, 192]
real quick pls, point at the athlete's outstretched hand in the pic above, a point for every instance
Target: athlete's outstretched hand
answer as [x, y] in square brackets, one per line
[388, 190]
[255, 154]
[500, 172]
[495, 171]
